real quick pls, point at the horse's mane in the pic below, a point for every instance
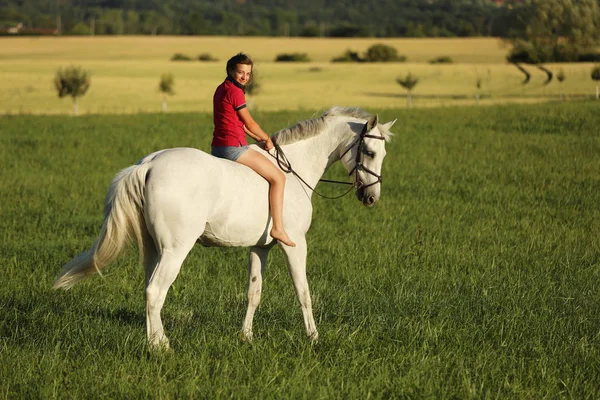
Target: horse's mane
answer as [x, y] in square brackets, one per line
[312, 127]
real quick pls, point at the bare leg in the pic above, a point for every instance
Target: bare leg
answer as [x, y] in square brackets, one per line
[257, 262]
[265, 168]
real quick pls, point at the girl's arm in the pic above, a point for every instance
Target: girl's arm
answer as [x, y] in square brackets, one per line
[253, 129]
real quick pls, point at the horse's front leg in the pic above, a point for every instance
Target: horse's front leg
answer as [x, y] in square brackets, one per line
[296, 261]
[257, 262]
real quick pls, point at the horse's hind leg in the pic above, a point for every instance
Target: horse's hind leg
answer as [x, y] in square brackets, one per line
[257, 262]
[162, 267]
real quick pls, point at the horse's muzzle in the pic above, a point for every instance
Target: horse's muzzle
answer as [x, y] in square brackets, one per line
[368, 199]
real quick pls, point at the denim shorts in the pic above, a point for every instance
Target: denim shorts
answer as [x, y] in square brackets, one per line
[228, 152]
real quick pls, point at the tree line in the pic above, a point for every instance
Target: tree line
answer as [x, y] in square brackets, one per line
[308, 18]
[539, 30]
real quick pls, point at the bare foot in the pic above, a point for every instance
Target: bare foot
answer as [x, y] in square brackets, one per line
[282, 237]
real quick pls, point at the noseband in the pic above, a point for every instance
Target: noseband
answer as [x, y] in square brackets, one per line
[358, 165]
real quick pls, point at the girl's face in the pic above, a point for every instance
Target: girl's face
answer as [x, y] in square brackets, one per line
[242, 73]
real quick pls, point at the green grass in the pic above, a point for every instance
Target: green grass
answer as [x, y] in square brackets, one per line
[476, 276]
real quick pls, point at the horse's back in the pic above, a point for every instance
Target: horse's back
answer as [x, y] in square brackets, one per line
[188, 189]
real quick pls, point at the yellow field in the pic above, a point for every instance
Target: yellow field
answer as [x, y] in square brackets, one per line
[126, 70]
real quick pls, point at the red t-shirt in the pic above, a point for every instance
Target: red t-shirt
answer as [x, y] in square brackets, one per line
[229, 128]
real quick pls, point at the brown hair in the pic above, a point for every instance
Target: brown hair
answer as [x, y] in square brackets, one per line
[239, 58]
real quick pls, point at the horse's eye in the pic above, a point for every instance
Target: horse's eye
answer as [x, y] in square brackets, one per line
[368, 152]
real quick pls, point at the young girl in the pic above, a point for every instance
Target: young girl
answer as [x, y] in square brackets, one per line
[232, 122]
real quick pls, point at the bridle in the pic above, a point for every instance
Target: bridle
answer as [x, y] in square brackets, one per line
[360, 152]
[286, 166]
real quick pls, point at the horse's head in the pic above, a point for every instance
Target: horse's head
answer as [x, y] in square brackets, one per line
[364, 156]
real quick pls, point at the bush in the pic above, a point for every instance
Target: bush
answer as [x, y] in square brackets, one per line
[348, 56]
[382, 53]
[80, 29]
[253, 87]
[292, 57]
[181, 57]
[441, 60]
[206, 57]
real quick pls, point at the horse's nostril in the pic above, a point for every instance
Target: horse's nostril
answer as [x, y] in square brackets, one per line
[370, 200]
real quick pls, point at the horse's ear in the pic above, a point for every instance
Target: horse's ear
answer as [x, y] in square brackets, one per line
[372, 122]
[388, 125]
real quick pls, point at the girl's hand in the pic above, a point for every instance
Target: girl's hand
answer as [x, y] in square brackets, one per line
[268, 144]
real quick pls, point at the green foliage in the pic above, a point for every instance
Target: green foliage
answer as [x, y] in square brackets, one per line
[292, 57]
[555, 30]
[382, 53]
[560, 76]
[80, 29]
[253, 87]
[181, 57]
[441, 60]
[408, 82]
[376, 53]
[476, 275]
[166, 84]
[72, 81]
[206, 57]
[348, 56]
[596, 73]
[268, 17]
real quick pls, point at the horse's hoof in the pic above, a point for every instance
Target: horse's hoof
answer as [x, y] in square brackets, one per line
[160, 346]
[314, 338]
[247, 337]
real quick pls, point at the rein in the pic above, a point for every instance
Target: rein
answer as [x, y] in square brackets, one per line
[284, 163]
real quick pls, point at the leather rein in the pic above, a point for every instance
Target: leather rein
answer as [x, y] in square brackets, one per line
[286, 166]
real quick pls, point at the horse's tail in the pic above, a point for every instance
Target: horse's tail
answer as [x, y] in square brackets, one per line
[123, 218]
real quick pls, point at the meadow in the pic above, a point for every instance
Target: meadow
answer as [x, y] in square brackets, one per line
[476, 276]
[126, 72]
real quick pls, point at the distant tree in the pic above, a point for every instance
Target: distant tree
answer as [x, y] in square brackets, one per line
[253, 87]
[167, 81]
[478, 86]
[408, 83]
[560, 76]
[72, 81]
[596, 78]
[555, 30]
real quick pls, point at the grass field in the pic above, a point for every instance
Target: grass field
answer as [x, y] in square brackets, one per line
[476, 276]
[126, 71]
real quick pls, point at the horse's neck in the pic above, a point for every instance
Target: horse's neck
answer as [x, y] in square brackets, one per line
[310, 158]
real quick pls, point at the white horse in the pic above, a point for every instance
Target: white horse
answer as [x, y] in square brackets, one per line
[176, 197]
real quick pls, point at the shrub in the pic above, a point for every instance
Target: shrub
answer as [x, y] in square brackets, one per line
[441, 60]
[253, 87]
[292, 57]
[181, 57]
[206, 57]
[348, 56]
[382, 53]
